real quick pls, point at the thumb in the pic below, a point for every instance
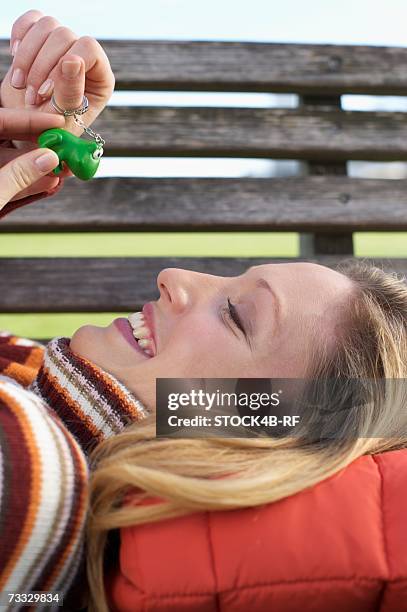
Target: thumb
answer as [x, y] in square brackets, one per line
[70, 82]
[25, 170]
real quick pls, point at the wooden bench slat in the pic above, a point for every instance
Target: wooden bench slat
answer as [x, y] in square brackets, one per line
[253, 132]
[207, 204]
[248, 66]
[113, 284]
[261, 67]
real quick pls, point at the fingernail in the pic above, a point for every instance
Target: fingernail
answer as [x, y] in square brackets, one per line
[71, 68]
[18, 78]
[47, 161]
[30, 95]
[45, 87]
[15, 47]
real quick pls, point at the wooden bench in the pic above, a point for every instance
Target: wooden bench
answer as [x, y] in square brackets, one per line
[326, 205]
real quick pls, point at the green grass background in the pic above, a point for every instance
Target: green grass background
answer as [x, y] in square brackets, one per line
[198, 244]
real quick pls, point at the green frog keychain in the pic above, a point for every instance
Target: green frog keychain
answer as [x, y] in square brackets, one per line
[81, 156]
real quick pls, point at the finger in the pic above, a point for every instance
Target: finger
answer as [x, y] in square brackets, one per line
[28, 49]
[22, 172]
[46, 183]
[98, 73]
[21, 27]
[22, 124]
[39, 78]
[97, 65]
[9, 153]
[69, 85]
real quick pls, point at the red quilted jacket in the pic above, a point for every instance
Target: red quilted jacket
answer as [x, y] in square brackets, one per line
[340, 546]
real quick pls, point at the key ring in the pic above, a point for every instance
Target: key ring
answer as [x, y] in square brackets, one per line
[75, 112]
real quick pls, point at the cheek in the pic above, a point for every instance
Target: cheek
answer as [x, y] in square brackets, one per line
[198, 348]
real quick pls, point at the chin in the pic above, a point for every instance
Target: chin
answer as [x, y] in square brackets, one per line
[83, 340]
[105, 347]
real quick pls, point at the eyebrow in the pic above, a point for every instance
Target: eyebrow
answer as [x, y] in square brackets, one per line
[261, 282]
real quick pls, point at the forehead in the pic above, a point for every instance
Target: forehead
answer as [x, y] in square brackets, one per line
[305, 291]
[300, 271]
[310, 300]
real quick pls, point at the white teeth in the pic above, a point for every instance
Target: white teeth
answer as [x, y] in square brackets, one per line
[137, 318]
[141, 332]
[144, 343]
[138, 324]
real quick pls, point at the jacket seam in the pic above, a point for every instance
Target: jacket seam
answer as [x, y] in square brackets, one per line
[212, 562]
[354, 579]
[382, 497]
[260, 585]
[384, 538]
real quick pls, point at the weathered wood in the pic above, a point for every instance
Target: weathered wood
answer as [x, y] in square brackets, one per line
[317, 203]
[248, 66]
[113, 284]
[254, 132]
[340, 243]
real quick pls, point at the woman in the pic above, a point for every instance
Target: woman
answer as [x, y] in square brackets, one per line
[93, 394]
[350, 323]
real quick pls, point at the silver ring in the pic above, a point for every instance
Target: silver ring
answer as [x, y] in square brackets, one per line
[75, 111]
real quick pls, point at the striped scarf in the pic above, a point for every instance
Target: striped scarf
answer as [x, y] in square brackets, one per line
[54, 408]
[20, 358]
[92, 403]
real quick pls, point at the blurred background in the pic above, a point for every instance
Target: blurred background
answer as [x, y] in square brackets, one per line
[358, 22]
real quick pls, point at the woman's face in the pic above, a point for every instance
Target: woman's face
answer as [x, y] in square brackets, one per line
[285, 310]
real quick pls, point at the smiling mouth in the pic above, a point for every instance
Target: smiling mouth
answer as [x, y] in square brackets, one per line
[125, 329]
[143, 329]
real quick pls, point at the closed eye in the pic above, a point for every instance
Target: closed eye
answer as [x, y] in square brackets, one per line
[234, 316]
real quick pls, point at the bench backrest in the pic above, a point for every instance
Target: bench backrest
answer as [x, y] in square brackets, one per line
[324, 204]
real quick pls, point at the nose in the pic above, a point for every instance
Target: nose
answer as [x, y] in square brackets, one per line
[173, 286]
[180, 288]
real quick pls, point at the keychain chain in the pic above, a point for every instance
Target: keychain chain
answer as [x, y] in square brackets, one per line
[89, 130]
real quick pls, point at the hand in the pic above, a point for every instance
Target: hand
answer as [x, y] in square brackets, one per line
[25, 174]
[49, 57]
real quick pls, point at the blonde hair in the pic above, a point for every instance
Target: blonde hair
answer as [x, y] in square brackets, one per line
[190, 475]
